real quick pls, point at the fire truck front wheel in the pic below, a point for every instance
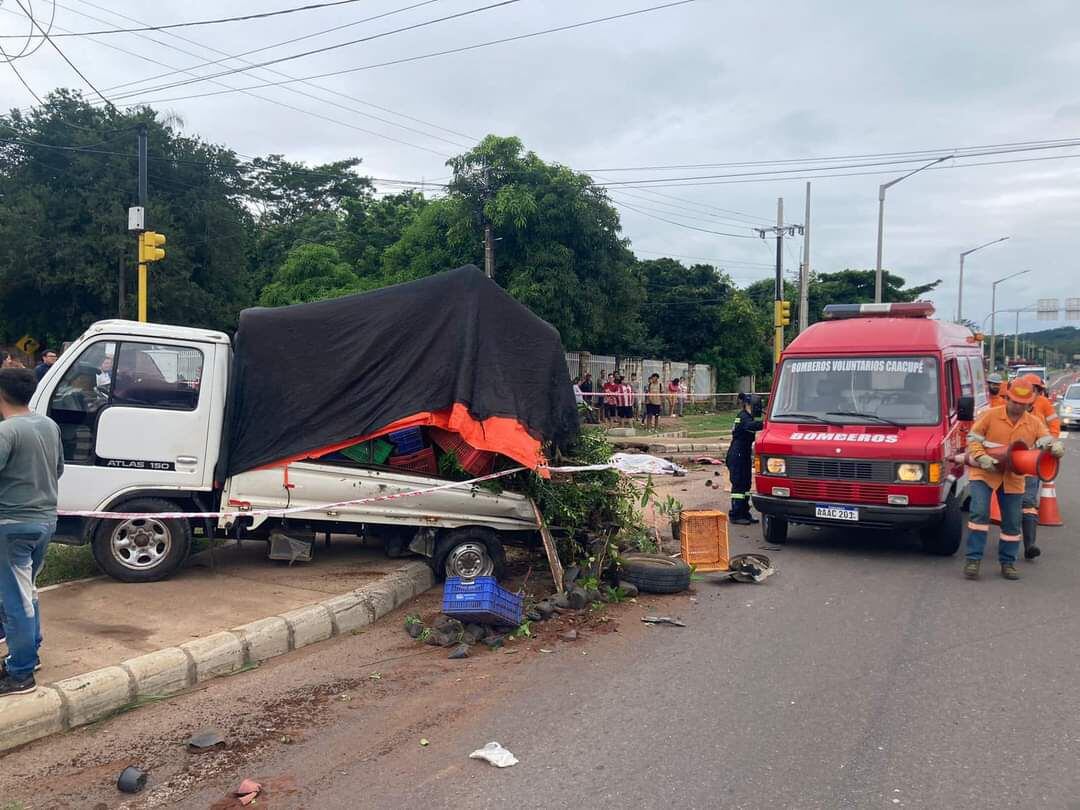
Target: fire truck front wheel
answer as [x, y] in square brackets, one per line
[943, 538]
[773, 529]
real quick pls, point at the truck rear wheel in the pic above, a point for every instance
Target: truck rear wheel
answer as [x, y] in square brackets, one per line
[944, 538]
[143, 549]
[469, 553]
[773, 529]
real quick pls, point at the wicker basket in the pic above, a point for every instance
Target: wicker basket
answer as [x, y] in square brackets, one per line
[704, 539]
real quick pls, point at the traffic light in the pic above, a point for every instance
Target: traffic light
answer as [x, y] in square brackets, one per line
[150, 249]
[783, 313]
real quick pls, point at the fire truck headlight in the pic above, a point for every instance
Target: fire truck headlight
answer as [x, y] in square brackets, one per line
[910, 473]
[776, 466]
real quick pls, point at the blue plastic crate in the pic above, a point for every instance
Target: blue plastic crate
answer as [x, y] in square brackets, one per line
[406, 442]
[481, 600]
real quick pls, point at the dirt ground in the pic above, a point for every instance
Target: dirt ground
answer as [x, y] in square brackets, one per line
[370, 698]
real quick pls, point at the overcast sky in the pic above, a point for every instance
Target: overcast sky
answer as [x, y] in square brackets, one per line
[706, 82]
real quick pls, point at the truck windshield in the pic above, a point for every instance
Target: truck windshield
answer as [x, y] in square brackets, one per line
[857, 390]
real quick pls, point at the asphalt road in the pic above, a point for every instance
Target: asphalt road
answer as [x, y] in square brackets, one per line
[865, 674]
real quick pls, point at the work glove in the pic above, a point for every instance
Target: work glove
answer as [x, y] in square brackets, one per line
[986, 462]
[1057, 449]
[1044, 442]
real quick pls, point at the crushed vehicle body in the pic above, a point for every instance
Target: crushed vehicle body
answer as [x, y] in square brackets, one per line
[364, 398]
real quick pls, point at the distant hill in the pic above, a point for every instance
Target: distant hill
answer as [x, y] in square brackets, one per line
[1064, 339]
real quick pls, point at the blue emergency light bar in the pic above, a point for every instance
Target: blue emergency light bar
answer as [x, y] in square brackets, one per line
[917, 309]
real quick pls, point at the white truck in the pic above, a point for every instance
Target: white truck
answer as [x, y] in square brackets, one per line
[141, 409]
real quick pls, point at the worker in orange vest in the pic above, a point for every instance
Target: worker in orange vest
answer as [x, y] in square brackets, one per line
[1043, 409]
[994, 429]
[993, 385]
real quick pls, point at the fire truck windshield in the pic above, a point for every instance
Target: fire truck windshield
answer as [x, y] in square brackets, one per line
[858, 390]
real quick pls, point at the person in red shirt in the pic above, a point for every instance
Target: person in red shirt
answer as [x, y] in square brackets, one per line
[626, 402]
[611, 399]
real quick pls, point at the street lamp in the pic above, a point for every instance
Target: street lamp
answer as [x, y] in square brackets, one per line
[878, 286]
[993, 318]
[960, 290]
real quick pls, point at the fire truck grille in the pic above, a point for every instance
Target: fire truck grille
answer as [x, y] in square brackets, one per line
[842, 491]
[841, 469]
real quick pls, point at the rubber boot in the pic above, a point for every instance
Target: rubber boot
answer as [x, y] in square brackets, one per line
[1030, 525]
[739, 514]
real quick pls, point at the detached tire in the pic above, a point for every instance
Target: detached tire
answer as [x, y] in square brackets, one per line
[142, 549]
[655, 573]
[469, 553]
[944, 538]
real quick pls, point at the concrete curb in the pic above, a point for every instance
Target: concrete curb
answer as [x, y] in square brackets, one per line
[88, 698]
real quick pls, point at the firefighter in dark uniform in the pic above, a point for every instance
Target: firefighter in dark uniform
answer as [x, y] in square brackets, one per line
[740, 458]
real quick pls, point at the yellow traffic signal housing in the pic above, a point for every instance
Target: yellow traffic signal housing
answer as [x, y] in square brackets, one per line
[150, 249]
[783, 313]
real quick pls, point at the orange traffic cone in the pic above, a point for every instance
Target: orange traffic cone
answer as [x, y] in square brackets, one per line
[995, 509]
[1048, 506]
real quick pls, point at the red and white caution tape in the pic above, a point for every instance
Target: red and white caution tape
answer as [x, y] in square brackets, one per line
[323, 507]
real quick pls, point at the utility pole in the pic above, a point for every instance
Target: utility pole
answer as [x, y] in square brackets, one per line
[804, 271]
[781, 308]
[489, 250]
[143, 274]
[1016, 336]
[121, 286]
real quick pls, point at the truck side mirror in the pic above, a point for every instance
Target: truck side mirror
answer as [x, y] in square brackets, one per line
[965, 409]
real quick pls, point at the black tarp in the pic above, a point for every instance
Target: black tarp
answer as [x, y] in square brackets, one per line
[310, 376]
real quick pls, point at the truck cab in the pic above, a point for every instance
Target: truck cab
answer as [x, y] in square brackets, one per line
[868, 414]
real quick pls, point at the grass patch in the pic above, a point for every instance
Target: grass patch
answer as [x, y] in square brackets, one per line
[65, 563]
[708, 424]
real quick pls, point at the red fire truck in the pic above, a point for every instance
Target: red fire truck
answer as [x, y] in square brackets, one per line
[868, 410]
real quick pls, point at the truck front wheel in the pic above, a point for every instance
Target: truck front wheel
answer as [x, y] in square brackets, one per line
[944, 538]
[469, 553]
[142, 549]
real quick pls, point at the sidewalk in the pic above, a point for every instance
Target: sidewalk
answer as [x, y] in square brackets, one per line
[109, 645]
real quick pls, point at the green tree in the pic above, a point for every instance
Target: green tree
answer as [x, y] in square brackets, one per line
[559, 249]
[857, 287]
[310, 273]
[285, 191]
[67, 178]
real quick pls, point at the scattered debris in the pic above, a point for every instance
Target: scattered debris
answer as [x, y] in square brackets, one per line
[534, 615]
[131, 780]
[570, 576]
[707, 460]
[546, 609]
[747, 568]
[494, 642]
[375, 676]
[629, 589]
[459, 652]
[641, 464]
[495, 754]
[545, 650]
[569, 635]
[663, 620]
[413, 626]
[424, 742]
[247, 791]
[205, 740]
[577, 599]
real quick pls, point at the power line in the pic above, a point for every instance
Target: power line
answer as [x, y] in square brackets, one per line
[218, 21]
[865, 174]
[26, 49]
[801, 169]
[676, 210]
[913, 152]
[324, 49]
[684, 225]
[713, 261]
[283, 104]
[63, 56]
[447, 52]
[238, 57]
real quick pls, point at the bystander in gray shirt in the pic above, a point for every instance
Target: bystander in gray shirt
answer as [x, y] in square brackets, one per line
[31, 462]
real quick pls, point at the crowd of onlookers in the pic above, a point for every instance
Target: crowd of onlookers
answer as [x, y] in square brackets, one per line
[10, 359]
[620, 402]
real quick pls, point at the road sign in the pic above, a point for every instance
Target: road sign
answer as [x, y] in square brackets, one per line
[1047, 309]
[1072, 309]
[27, 345]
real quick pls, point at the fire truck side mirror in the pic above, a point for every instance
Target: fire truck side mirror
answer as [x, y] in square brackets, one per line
[965, 409]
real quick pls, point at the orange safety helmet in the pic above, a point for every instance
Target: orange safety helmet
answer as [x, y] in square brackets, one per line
[1022, 389]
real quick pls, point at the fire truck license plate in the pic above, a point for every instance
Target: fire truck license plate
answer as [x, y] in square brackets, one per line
[833, 512]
